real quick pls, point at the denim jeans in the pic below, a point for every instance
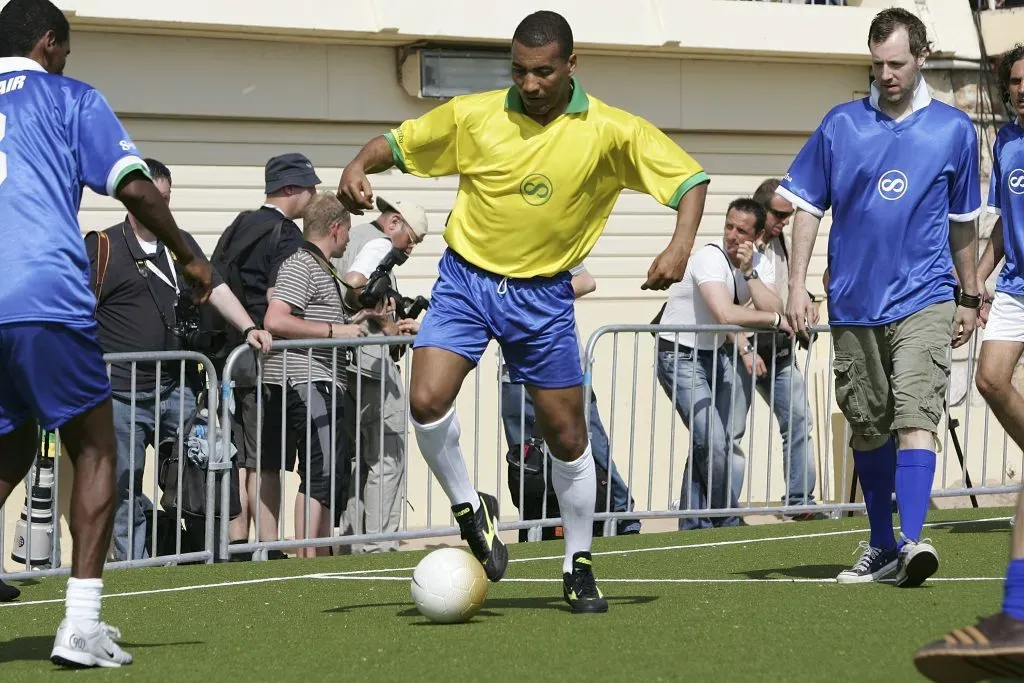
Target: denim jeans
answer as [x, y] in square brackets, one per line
[707, 417]
[132, 512]
[513, 396]
[794, 417]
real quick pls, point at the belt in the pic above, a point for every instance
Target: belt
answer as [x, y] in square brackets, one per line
[666, 346]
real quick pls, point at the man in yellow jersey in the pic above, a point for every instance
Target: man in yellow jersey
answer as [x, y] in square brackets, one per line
[540, 168]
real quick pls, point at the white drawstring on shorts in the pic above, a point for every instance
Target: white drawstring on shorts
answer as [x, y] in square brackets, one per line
[503, 286]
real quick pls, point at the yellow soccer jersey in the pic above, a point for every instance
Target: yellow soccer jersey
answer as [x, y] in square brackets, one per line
[534, 199]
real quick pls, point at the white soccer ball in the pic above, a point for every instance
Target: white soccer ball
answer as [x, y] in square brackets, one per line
[449, 586]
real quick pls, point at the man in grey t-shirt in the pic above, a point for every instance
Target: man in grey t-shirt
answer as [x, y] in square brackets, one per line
[304, 421]
[374, 503]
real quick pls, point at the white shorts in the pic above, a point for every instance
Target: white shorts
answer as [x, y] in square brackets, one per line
[1006, 320]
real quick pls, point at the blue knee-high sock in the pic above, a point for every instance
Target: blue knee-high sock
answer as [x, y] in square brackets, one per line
[915, 469]
[877, 472]
[1013, 596]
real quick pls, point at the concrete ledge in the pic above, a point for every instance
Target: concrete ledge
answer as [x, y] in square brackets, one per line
[697, 27]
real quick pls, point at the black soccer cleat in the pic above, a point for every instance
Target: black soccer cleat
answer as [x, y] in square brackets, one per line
[992, 648]
[8, 593]
[480, 530]
[580, 589]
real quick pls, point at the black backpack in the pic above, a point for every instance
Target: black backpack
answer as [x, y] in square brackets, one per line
[537, 487]
[230, 253]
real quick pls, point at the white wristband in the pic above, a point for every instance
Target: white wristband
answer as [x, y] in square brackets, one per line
[778, 321]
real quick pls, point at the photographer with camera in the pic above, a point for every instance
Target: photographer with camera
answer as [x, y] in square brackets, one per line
[772, 362]
[368, 268]
[144, 304]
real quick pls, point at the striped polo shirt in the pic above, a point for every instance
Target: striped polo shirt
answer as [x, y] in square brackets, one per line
[313, 294]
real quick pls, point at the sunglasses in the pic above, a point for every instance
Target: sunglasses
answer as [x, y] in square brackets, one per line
[781, 215]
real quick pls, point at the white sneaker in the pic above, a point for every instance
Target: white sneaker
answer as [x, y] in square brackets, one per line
[874, 564]
[76, 646]
[918, 561]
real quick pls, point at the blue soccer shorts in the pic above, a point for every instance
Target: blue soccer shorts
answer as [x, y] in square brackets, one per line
[533, 320]
[49, 371]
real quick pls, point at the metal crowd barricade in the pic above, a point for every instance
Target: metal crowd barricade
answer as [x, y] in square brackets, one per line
[339, 363]
[54, 566]
[649, 445]
[835, 489]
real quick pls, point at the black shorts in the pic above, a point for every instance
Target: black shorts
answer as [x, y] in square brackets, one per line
[244, 422]
[324, 477]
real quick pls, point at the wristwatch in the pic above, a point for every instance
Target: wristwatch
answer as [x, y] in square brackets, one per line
[969, 300]
[753, 275]
[749, 348]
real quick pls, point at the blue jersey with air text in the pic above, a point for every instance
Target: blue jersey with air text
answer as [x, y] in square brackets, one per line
[57, 135]
[893, 188]
[1006, 198]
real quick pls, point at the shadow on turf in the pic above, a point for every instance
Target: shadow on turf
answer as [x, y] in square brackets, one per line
[37, 648]
[804, 571]
[974, 527]
[492, 604]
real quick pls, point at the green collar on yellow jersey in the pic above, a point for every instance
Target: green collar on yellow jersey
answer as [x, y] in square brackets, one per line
[578, 103]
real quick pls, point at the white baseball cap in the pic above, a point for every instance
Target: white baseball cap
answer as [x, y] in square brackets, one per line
[413, 214]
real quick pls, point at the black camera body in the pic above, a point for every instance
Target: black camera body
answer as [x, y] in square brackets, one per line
[190, 332]
[411, 308]
[378, 288]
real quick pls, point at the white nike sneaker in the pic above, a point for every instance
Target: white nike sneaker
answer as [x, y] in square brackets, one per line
[81, 647]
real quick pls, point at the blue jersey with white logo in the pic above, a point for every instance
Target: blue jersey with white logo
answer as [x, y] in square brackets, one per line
[1006, 198]
[57, 135]
[893, 188]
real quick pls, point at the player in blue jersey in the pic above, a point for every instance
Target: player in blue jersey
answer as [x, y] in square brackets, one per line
[996, 644]
[57, 136]
[900, 173]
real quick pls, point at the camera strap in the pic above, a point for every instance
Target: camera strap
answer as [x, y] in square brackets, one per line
[144, 271]
[160, 274]
[732, 271]
[171, 281]
[328, 267]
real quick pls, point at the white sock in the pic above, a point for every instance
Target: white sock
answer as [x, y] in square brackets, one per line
[82, 601]
[575, 484]
[439, 443]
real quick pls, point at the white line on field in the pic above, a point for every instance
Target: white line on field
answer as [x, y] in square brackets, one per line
[176, 589]
[332, 577]
[370, 573]
[718, 544]
[709, 544]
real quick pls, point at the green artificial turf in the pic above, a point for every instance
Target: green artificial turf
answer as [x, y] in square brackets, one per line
[314, 629]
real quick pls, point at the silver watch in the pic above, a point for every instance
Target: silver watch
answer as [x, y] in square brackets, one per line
[754, 275]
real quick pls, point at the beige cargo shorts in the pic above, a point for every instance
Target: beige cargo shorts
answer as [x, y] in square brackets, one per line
[894, 376]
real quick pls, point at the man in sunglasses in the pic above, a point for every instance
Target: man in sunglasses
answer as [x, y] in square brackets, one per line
[769, 364]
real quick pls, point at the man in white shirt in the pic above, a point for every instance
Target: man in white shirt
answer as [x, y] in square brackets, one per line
[693, 368]
[769, 365]
[375, 503]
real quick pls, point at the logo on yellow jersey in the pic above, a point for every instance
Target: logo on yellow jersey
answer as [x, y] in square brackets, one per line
[536, 189]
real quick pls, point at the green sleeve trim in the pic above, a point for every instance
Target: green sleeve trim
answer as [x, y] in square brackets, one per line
[688, 184]
[125, 171]
[396, 152]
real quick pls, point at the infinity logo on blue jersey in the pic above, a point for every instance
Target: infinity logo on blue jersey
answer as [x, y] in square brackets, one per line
[892, 185]
[1016, 181]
